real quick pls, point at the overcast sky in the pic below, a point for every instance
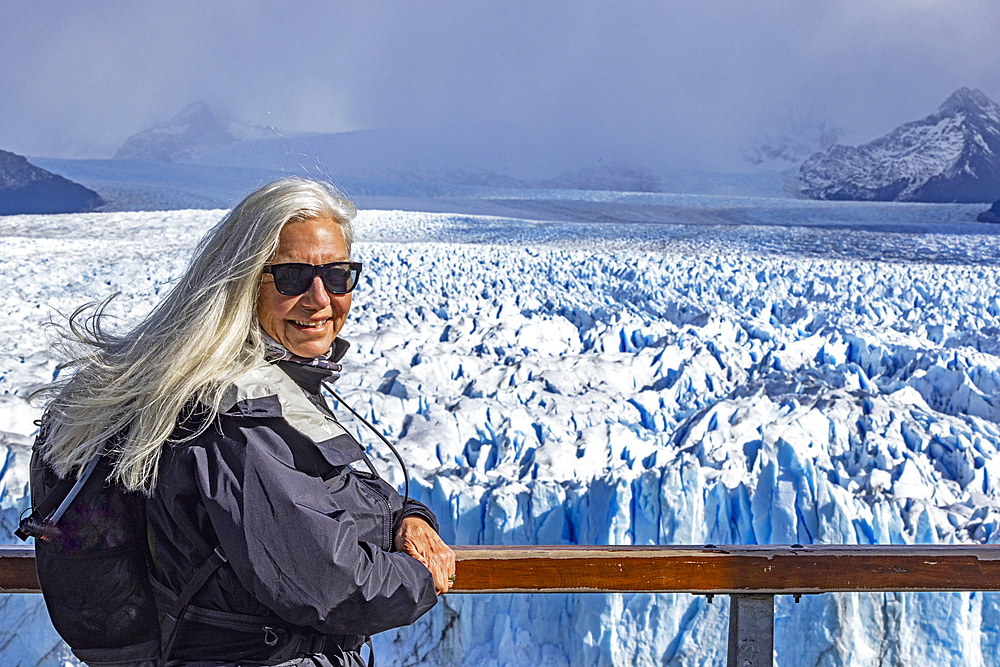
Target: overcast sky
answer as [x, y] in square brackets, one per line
[673, 81]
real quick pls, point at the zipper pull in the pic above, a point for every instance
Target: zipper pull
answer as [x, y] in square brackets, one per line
[270, 637]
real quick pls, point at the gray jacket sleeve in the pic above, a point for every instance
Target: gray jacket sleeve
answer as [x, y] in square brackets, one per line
[308, 543]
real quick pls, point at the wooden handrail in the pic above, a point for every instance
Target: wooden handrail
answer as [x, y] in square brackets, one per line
[727, 569]
[17, 570]
[703, 570]
[750, 575]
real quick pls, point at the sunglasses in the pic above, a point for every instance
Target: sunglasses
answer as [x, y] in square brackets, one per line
[296, 279]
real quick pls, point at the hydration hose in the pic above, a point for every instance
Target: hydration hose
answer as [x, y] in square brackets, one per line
[406, 476]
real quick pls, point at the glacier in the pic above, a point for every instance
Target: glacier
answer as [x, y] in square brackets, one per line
[556, 382]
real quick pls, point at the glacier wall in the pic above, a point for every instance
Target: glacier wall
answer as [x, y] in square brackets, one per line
[604, 394]
[663, 399]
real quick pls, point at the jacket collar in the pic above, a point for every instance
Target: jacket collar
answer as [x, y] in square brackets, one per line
[308, 373]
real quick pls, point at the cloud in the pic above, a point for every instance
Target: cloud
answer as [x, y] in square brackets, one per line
[666, 83]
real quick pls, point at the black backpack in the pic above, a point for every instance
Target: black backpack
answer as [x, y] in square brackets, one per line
[93, 564]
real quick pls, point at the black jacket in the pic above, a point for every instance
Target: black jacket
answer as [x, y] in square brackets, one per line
[308, 538]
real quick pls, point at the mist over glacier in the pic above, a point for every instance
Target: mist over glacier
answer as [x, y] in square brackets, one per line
[598, 383]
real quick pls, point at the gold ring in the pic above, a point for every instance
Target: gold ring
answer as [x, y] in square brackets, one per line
[451, 577]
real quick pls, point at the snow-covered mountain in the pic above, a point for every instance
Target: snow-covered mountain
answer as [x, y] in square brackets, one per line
[953, 155]
[193, 131]
[25, 188]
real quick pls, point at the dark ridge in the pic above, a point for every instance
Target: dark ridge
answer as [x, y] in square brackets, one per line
[25, 188]
[992, 215]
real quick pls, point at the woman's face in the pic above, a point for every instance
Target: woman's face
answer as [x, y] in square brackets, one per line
[305, 324]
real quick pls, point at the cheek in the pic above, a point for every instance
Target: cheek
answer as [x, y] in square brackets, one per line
[269, 310]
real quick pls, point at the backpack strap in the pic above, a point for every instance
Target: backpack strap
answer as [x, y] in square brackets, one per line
[48, 512]
[170, 623]
[34, 524]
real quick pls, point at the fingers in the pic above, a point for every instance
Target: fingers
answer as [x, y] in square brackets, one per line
[442, 565]
[416, 538]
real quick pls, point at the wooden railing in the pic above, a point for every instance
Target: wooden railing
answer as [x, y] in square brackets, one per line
[750, 575]
[17, 570]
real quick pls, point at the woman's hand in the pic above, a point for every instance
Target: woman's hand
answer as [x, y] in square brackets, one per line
[416, 538]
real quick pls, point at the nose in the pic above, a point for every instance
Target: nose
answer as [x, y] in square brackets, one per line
[316, 296]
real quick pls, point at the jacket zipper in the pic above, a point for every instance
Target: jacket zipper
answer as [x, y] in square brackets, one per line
[387, 522]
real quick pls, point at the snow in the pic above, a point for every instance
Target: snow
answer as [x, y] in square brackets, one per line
[800, 375]
[948, 156]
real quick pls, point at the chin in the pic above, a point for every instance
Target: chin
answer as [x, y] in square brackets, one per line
[311, 347]
[309, 350]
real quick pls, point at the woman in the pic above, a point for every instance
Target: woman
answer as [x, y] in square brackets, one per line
[211, 407]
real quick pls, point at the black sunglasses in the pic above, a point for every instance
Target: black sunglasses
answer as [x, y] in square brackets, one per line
[295, 279]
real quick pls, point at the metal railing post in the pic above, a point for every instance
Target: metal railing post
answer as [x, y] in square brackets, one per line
[751, 631]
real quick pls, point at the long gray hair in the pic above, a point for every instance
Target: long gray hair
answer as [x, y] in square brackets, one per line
[186, 352]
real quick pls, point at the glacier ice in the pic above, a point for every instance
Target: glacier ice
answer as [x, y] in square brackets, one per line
[549, 387]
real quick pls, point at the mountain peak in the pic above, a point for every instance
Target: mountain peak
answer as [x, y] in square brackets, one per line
[197, 112]
[969, 99]
[195, 129]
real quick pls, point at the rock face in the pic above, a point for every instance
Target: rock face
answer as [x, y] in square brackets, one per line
[189, 133]
[24, 188]
[953, 155]
[992, 215]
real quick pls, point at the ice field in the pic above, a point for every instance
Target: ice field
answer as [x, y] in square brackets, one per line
[797, 374]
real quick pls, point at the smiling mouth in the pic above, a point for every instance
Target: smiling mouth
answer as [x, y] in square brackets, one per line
[310, 325]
